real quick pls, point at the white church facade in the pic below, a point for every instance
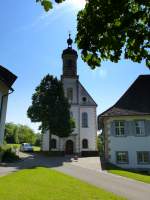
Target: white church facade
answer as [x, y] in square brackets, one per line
[82, 140]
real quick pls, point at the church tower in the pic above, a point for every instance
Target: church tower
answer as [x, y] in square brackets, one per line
[69, 57]
[82, 140]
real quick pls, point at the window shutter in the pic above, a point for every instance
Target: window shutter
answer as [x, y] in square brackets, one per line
[132, 129]
[112, 129]
[147, 127]
[127, 128]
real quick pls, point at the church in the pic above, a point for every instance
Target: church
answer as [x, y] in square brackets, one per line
[83, 139]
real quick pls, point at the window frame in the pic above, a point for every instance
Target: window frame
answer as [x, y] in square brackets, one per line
[85, 145]
[119, 127]
[55, 146]
[122, 162]
[84, 120]
[143, 162]
[141, 128]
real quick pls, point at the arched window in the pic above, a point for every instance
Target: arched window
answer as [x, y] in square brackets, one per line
[84, 120]
[84, 143]
[53, 143]
[70, 94]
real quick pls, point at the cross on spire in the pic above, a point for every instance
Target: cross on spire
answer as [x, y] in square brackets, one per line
[69, 41]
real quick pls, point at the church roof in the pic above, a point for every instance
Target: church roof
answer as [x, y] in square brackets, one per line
[70, 51]
[135, 101]
[7, 77]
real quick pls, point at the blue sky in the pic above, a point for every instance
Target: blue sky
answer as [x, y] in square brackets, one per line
[31, 45]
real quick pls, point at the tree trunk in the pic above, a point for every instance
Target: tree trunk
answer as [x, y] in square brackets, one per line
[50, 140]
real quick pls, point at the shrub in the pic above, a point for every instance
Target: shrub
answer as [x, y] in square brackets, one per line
[7, 154]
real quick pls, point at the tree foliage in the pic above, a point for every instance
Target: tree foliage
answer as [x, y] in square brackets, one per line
[47, 4]
[17, 134]
[112, 29]
[51, 108]
[108, 28]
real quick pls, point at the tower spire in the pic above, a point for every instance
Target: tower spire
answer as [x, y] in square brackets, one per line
[69, 57]
[69, 41]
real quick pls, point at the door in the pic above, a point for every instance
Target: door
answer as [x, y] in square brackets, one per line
[69, 147]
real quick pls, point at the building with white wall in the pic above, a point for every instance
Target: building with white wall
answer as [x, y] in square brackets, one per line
[83, 110]
[6, 81]
[126, 127]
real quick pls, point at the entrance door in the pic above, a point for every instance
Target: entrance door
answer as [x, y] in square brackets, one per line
[69, 147]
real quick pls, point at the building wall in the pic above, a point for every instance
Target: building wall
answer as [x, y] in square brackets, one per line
[89, 133]
[77, 108]
[3, 109]
[71, 83]
[129, 142]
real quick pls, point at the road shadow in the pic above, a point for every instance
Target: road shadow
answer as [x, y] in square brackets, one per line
[36, 160]
[40, 159]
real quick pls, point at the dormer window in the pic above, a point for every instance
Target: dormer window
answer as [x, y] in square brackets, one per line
[70, 94]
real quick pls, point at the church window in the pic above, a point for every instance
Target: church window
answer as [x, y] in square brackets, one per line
[70, 94]
[53, 143]
[84, 120]
[84, 99]
[84, 143]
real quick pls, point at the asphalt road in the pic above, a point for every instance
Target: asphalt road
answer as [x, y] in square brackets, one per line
[131, 189]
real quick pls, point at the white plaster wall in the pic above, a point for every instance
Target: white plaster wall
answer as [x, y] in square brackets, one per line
[132, 144]
[70, 83]
[79, 133]
[45, 141]
[75, 111]
[84, 93]
[89, 133]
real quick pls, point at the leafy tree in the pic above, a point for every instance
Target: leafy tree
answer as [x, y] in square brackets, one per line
[11, 133]
[26, 134]
[110, 29]
[38, 139]
[51, 108]
[47, 4]
[16, 134]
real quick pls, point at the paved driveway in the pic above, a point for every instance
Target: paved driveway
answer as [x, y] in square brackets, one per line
[86, 169]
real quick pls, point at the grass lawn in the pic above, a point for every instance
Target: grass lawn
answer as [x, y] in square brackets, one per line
[36, 148]
[45, 184]
[13, 145]
[140, 176]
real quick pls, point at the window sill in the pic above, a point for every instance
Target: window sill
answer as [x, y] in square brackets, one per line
[122, 162]
[120, 135]
[140, 135]
[143, 163]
